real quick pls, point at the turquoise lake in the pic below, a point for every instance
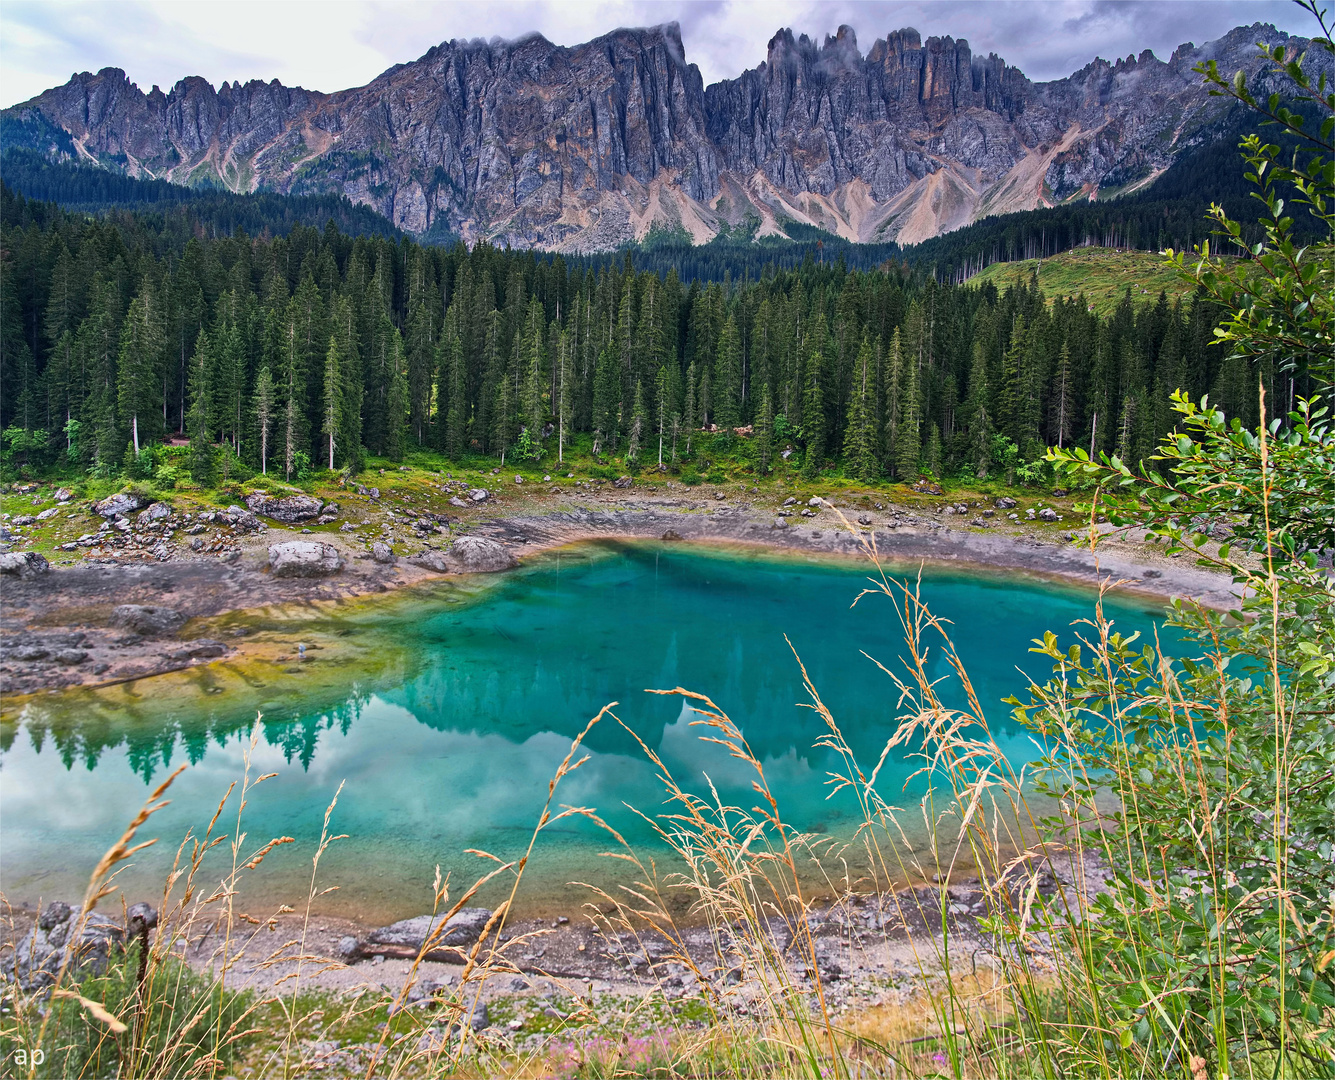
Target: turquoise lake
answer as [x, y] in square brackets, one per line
[445, 713]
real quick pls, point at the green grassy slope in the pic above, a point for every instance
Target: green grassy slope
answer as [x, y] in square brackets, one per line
[1101, 274]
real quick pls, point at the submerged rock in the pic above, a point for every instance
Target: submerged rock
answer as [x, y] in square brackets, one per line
[147, 620]
[304, 559]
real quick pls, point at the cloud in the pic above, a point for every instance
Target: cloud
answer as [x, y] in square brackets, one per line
[333, 45]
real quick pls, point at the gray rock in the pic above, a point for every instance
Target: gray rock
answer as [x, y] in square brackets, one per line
[46, 515]
[479, 495]
[432, 560]
[125, 502]
[63, 495]
[478, 555]
[60, 933]
[289, 510]
[623, 482]
[460, 931]
[156, 512]
[1005, 503]
[23, 520]
[383, 554]
[200, 649]
[304, 559]
[70, 657]
[148, 620]
[456, 501]
[1048, 514]
[815, 500]
[23, 564]
[240, 518]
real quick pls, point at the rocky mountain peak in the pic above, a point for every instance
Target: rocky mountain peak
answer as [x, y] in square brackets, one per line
[589, 146]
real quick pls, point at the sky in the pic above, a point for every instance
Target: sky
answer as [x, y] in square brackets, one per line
[334, 44]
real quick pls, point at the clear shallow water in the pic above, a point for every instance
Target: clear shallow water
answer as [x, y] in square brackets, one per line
[446, 713]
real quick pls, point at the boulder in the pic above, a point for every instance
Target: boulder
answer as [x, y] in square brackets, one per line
[241, 518]
[61, 933]
[304, 559]
[672, 534]
[408, 935]
[200, 649]
[46, 515]
[1048, 514]
[927, 487]
[478, 555]
[623, 482]
[156, 512]
[432, 560]
[63, 495]
[70, 657]
[815, 500]
[148, 620]
[289, 510]
[456, 501]
[23, 564]
[1005, 503]
[383, 554]
[124, 502]
[479, 495]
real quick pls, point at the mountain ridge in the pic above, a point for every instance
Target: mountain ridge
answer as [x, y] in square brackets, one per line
[588, 147]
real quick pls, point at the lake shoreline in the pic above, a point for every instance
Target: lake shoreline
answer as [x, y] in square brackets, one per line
[70, 608]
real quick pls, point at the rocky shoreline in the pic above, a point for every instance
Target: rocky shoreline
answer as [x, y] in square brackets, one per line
[869, 949]
[60, 625]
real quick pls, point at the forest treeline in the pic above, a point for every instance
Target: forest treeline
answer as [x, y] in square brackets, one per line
[316, 349]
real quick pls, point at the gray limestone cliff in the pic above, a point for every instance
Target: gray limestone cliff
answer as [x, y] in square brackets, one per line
[588, 147]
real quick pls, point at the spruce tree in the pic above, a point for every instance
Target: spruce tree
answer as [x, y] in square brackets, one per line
[860, 437]
[139, 392]
[636, 427]
[728, 378]
[201, 447]
[764, 432]
[688, 418]
[565, 392]
[979, 415]
[333, 403]
[266, 405]
[421, 359]
[908, 435]
[396, 402]
[606, 402]
[813, 418]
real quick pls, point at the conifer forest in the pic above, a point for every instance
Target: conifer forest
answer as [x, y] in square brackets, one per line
[315, 349]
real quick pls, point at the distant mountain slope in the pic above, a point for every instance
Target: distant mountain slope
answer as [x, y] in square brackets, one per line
[82, 188]
[594, 146]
